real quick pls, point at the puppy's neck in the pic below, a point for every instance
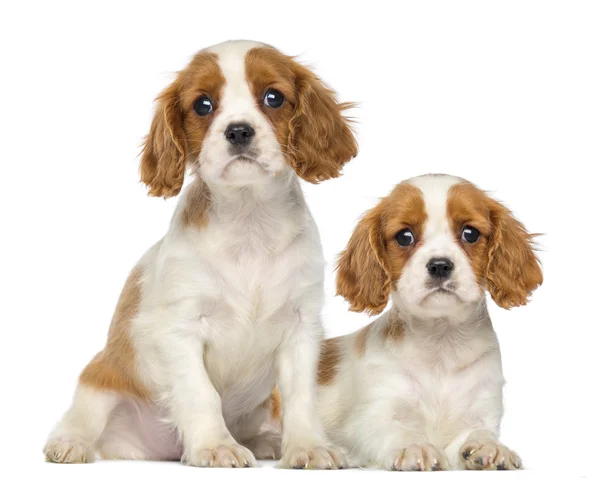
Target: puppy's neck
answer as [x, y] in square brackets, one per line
[280, 192]
[461, 326]
[446, 343]
[267, 216]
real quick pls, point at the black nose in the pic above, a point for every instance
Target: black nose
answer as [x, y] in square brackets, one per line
[440, 268]
[239, 133]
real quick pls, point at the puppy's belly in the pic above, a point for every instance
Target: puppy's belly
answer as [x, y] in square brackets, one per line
[240, 356]
[242, 373]
[139, 430]
[242, 398]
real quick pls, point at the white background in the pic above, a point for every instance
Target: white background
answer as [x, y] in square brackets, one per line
[506, 94]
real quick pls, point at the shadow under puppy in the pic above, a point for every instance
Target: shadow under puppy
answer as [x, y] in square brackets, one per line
[229, 301]
[420, 388]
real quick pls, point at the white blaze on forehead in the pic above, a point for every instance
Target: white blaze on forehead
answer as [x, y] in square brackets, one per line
[241, 46]
[435, 189]
[237, 96]
[232, 57]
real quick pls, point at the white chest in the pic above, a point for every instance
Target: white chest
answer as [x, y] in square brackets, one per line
[251, 307]
[243, 295]
[435, 402]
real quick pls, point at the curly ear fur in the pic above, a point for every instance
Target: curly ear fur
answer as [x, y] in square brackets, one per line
[320, 140]
[363, 272]
[162, 166]
[513, 271]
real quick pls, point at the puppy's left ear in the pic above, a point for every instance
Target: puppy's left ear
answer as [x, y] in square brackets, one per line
[363, 273]
[320, 139]
[513, 270]
[163, 162]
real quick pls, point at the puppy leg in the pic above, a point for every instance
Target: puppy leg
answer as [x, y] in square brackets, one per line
[304, 442]
[478, 448]
[260, 435]
[483, 451]
[192, 401]
[74, 437]
[387, 434]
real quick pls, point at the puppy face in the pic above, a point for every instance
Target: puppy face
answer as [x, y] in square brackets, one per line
[436, 243]
[240, 113]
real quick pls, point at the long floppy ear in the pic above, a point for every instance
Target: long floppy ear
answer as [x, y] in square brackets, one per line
[513, 270]
[363, 274]
[320, 139]
[162, 166]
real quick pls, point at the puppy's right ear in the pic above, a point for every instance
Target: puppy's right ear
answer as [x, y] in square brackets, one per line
[320, 141]
[162, 166]
[513, 271]
[363, 274]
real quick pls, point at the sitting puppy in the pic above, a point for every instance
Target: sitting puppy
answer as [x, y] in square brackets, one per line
[420, 388]
[229, 301]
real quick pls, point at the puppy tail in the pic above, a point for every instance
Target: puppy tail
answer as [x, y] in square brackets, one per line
[275, 407]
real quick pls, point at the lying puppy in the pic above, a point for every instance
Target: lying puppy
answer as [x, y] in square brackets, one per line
[229, 301]
[420, 388]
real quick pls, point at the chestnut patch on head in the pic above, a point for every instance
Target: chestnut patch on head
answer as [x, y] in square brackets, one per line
[467, 207]
[180, 125]
[201, 79]
[268, 70]
[502, 257]
[306, 117]
[373, 259]
[404, 212]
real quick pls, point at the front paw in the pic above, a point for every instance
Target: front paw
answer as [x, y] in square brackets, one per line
[319, 457]
[227, 455]
[424, 458]
[488, 456]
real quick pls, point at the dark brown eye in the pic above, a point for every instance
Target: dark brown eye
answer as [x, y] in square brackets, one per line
[203, 106]
[470, 234]
[273, 98]
[405, 238]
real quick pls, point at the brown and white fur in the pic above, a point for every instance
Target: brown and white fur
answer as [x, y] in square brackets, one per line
[420, 388]
[228, 303]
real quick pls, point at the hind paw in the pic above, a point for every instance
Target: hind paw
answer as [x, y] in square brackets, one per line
[68, 450]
